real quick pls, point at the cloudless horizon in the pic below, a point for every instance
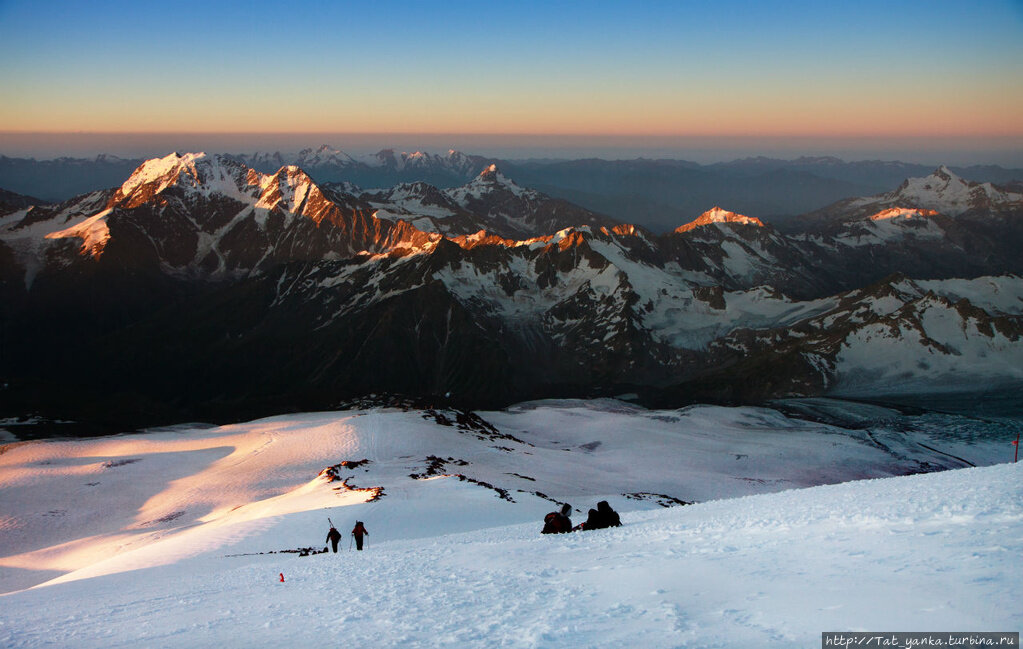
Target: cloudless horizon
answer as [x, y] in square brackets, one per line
[1007, 152]
[937, 81]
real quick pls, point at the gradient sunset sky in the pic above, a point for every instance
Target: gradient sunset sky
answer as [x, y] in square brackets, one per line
[634, 74]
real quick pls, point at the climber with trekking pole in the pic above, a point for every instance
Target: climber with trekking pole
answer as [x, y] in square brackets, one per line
[357, 533]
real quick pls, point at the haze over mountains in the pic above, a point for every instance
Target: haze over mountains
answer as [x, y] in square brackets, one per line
[202, 286]
[656, 194]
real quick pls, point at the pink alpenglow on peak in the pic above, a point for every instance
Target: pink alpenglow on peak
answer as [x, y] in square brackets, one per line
[903, 213]
[93, 232]
[163, 170]
[719, 215]
[492, 173]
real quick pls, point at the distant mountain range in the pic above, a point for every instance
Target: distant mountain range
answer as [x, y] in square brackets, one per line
[203, 287]
[655, 194]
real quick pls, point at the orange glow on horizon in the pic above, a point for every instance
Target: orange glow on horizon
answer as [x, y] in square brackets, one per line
[751, 111]
[574, 133]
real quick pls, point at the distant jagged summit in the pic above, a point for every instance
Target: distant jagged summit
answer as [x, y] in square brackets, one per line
[492, 177]
[210, 215]
[206, 176]
[196, 171]
[945, 192]
[942, 192]
[491, 185]
[719, 215]
[382, 169]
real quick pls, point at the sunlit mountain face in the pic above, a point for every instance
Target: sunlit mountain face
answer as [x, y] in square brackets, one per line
[201, 286]
[323, 332]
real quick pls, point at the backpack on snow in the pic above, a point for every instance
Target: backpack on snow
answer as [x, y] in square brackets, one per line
[554, 523]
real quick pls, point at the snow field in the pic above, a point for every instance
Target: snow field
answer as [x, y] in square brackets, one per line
[81, 508]
[882, 357]
[921, 552]
[173, 537]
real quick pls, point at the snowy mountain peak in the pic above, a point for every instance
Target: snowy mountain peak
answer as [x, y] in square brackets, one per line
[324, 155]
[941, 183]
[155, 175]
[415, 189]
[461, 162]
[417, 161]
[108, 158]
[939, 179]
[491, 179]
[152, 177]
[490, 184]
[388, 165]
[159, 167]
[200, 174]
[945, 192]
[720, 215]
[290, 189]
[204, 177]
[323, 149]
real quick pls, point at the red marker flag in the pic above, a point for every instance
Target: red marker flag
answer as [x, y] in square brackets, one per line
[282, 577]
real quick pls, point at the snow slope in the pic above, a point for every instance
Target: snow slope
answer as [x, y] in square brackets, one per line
[81, 508]
[902, 356]
[930, 551]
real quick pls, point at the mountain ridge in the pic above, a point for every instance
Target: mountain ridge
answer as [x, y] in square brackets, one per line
[230, 268]
[656, 194]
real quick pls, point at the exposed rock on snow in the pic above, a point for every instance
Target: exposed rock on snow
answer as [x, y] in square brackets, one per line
[449, 560]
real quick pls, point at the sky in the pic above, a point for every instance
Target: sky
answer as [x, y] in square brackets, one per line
[538, 75]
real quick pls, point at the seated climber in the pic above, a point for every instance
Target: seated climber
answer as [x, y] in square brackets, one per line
[601, 517]
[558, 522]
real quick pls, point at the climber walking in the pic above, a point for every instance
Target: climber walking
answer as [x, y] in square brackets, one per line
[358, 532]
[333, 536]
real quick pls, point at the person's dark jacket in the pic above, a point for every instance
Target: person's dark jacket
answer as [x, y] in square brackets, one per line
[609, 516]
[593, 521]
[601, 517]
